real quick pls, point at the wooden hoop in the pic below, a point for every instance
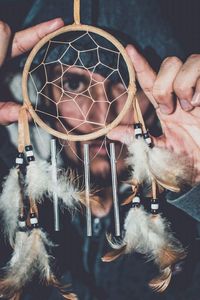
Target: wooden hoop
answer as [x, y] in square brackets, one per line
[131, 87]
[77, 12]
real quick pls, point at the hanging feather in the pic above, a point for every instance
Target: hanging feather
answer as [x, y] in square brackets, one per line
[16, 270]
[68, 190]
[29, 258]
[10, 204]
[160, 283]
[138, 161]
[170, 171]
[37, 180]
[149, 236]
[39, 185]
[167, 254]
[172, 250]
[136, 237]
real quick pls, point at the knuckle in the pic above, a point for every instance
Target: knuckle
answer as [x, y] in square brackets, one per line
[171, 60]
[5, 29]
[18, 46]
[159, 92]
[147, 89]
[194, 57]
[182, 90]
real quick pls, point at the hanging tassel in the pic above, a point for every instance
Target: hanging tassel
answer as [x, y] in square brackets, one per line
[169, 169]
[149, 236]
[11, 199]
[29, 258]
[136, 237]
[9, 205]
[37, 180]
[168, 251]
[17, 270]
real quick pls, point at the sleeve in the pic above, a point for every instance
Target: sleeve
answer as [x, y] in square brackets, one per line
[188, 202]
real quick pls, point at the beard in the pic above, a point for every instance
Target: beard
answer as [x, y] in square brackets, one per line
[100, 170]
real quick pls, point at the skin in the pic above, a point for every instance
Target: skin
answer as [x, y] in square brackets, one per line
[180, 121]
[174, 92]
[22, 42]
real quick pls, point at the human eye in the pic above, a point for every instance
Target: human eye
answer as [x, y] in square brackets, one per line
[75, 83]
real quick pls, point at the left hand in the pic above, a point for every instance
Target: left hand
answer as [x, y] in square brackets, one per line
[175, 94]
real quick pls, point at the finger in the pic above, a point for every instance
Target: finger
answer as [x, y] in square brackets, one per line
[196, 98]
[123, 134]
[26, 39]
[185, 82]
[5, 34]
[9, 112]
[163, 85]
[144, 73]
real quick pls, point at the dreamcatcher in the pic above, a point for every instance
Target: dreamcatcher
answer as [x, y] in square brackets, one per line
[73, 112]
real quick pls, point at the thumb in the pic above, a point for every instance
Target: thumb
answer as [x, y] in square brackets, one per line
[123, 134]
[9, 112]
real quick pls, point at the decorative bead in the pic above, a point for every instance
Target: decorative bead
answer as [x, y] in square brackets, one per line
[136, 201]
[19, 159]
[147, 139]
[138, 130]
[34, 220]
[29, 153]
[154, 206]
[31, 158]
[22, 223]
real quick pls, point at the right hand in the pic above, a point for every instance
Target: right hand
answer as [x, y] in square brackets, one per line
[22, 42]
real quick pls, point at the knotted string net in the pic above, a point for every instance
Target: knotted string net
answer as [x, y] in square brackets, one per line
[80, 82]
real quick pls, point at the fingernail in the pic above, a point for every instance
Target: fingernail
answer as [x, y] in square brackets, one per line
[196, 99]
[185, 105]
[55, 23]
[165, 109]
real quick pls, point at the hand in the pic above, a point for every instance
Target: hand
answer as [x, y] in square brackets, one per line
[175, 94]
[22, 42]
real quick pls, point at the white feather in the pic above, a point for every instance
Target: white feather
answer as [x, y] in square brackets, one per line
[9, 205]
[40, 184]
[162, 229]
[164, 165]
[37, 180]
[39, 241]
[136, 227]
[169, 166]
[67, 190]
[20, 242]
[29, 257]
[141, 235]
[137, 159]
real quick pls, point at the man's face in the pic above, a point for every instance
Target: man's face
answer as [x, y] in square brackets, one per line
[90, 102]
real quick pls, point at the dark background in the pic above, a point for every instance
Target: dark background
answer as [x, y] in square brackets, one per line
[184, 16]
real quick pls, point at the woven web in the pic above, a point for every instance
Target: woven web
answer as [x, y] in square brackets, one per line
[83, 83]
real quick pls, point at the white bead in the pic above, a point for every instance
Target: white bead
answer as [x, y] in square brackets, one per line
[148, 140]
[29, 153]
[136, 199]
[19, 161]
[138, 131]
[154, 206]
[33, 220]
[22, 223]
